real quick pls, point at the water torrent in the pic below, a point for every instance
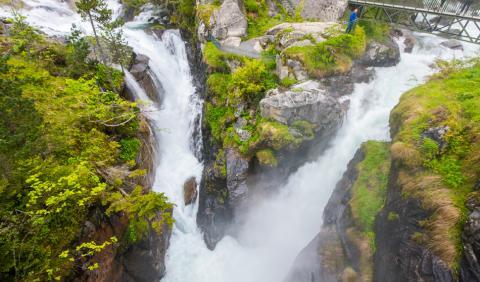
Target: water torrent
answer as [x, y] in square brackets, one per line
[277, 228]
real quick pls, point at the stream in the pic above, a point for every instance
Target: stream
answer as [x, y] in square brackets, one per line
[277, 228]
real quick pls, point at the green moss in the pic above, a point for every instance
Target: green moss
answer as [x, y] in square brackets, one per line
[259, 21]
[266, 157]
[218, 119]
[451, 98]
[218, 86]
[220, 163]
[129, 148]
[213, 57]
[276, 135]
[305, 128]
[369, 190]
[205, 12]
[335, 55]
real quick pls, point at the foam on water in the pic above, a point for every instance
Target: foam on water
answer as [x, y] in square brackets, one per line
[277, 228]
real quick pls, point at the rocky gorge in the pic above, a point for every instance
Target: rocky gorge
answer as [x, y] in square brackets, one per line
[253, 102]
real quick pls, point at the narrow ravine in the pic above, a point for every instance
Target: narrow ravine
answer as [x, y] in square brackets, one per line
[279, 227]
[276, 228]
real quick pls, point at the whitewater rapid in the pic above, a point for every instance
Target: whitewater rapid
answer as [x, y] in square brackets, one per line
[276, 228]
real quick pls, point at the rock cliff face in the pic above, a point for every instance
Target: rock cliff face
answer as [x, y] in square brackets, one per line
[342, 251]
[470, 266]
[331, 253]
[324, 10]
[303, 102]
[398, 256]
[426, 227]
[143, 260]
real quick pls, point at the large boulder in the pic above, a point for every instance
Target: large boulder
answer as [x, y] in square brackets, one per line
[307, 102]
[324, 10]
[452, 44]
[230, 20]
[146, 78]
[190, 191]
[381, 54]
[409, 40]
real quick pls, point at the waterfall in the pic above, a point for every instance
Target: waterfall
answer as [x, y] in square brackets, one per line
[277, 228]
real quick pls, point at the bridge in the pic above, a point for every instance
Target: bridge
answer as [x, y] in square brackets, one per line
[458, 19]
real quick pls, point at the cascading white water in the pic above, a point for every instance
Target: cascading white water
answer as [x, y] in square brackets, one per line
[276, 228]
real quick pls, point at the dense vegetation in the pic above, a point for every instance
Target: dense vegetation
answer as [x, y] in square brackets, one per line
[234, 96]
[333, 56]
[63, 125]
[370, 187]
[441, 170]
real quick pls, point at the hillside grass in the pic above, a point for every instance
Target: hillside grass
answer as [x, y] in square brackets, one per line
[442, 178]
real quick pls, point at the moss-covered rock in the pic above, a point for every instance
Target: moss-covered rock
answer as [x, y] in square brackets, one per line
[346, 243]
[435, 130]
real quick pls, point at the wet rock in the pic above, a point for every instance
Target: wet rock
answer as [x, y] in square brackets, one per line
[214, 213]
[229, 20]
[398, 256]
[332, 253]
[324, 10]
[381, 54]
[145, 260]
[146, 78]
[470, 264]
[409, 39]
[190, 191]
[237, 173]
[302, 102]
[341, 85]
[453, 44]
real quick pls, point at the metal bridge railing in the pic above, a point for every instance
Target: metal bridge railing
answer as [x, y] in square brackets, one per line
[462, 8]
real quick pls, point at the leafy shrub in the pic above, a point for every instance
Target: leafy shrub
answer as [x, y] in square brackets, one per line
[334, 55]
[129, 149]
[251, 81]
[145, 211]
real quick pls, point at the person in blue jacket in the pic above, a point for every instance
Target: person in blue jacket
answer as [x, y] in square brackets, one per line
[352, 21]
